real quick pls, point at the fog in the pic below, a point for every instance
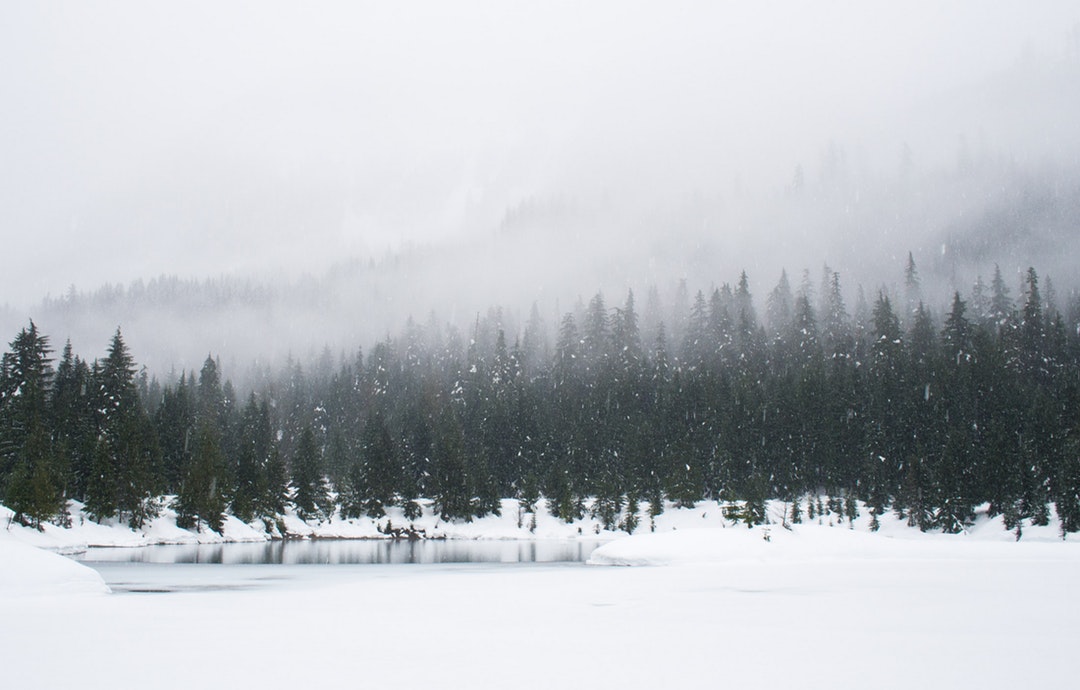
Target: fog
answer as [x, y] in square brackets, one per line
[375, 161]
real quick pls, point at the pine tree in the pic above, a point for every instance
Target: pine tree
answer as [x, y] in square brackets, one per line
[276, 494]
[796, 510]
[71, 420]
[127, 453]
[1032, 332]
[833, 318]
[884, 415]
[655, 497]
[528, 494]
[912, 287]
[626, 337]
[175, 423]
[310, 492]
[251, 456]
[102, 500]
[201, 497]
[450, 483]
[534, 342]
[32, 491]
[630, 522]
[1001, 306]
[779, 308]
[34, 486]
[719, 334]
[698, 340]
[595, 334]
[351, 497]
[565, 366]
[381, 471]
[956, 334]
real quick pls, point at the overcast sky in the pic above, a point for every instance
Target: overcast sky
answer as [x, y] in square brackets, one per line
[200, 138]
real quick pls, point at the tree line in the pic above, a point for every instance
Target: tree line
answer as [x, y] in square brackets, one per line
[926, 415]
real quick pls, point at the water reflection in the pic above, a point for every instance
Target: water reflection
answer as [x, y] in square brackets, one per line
[352, 551]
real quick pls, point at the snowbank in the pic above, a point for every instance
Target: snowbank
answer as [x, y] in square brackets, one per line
[512, 524]
[770, 543]
[959, 596]
[84, 532]
[820, 543]
[26, 570]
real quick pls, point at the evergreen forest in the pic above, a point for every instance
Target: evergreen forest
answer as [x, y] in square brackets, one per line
[927, 411]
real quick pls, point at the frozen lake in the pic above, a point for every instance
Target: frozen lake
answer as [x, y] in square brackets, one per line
[351, 552]
[821, 609]
[195, 567]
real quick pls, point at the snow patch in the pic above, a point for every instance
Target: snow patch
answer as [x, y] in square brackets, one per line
[26, 570]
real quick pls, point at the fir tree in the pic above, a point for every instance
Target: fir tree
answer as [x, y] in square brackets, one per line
[381, 472]
[310, 492]
[127, 453]
[201, 498]
[31, 478]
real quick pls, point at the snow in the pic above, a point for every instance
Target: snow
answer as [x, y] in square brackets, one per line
[85, 532]
[812, 543]
[26, 571]
[815, 606]
[511, 523]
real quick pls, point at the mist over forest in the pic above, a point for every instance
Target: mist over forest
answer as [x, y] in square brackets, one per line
[555, 254]
[314, 181]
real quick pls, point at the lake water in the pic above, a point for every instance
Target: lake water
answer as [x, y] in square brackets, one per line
[205, 567]
[352, 551]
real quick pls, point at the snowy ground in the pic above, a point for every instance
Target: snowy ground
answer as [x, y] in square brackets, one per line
[815, 607]
[512, 523]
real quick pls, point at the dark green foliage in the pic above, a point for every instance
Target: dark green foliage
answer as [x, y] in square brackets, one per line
[796, 511]
[201, 498]
[923, 414]
[851, 507]
[72, 422]
[276, 493]
[103, 485]
[563, 502]
[630, 522]
[749, 513]
[31, 471]
[33, 489]
[685, 484]
[412, 510]
[381, 472]
[351, 494]
[607, 507]
[450, 488]
[529, 493]
[126, 461]
[252, 452]
[310, 492]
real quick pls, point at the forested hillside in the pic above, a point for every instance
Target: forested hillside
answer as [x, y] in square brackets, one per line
[714, 396]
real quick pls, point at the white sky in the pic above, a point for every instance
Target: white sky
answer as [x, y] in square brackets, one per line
[207, 137]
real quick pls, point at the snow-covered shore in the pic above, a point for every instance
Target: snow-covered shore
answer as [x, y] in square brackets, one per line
[816, 606]
[26, 571]
[814, 543]
[512, 523]
[700, 535]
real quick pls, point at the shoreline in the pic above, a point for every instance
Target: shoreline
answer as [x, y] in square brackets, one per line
[510, 525]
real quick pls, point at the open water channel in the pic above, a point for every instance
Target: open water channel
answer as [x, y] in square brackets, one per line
[238, 566]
